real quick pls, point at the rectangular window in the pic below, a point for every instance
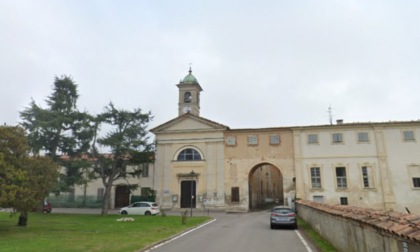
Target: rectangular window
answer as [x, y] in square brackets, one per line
[344, 201]
[312, 138]
[145, 170]
[414, 174]
[367, 177]
[318, 198]
[408, 135]
[235, 194]
[274, 139]
[100, 195]
[416, 182]
[230, 140]
[337, 138]
[363, 137]
[316, 177]
[252, 140]
[340, 173]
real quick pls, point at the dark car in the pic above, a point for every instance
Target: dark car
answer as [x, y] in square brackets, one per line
[46, 207]
[283, 216]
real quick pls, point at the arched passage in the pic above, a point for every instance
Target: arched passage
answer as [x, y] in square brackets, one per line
[265, 186]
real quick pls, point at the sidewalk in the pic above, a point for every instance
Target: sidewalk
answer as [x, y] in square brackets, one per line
[174, 212]
[82, 210]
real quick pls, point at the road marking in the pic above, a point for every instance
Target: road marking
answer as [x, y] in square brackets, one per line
[176, 237]
[304, 242]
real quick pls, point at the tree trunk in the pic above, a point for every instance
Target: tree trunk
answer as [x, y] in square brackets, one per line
[23, 219]
[84, 193]
[107, 197]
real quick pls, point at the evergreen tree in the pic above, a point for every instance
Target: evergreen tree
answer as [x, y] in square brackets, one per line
[61, 130]
[128, 143]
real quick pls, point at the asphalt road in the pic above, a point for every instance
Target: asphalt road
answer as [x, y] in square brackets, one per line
[245, 232]
[228, 232]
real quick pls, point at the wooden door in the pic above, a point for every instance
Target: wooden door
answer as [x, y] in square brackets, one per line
[188, 191]
[122, 196]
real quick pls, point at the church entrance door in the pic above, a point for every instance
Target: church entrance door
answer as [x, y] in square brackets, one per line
[188, 191]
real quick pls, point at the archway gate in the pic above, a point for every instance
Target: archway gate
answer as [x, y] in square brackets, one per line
[265, 186]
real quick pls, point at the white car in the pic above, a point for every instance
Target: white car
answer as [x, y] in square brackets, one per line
[142, 208]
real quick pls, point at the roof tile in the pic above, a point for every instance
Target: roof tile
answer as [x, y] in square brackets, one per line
[406, 226]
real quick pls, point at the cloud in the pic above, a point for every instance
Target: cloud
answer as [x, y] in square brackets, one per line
[265, 64]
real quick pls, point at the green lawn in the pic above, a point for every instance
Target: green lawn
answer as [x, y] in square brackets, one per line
[69, 232]
[322, 244]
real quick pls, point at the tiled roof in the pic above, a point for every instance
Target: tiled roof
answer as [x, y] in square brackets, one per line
[342, 125]
[404, 225]
[361, 124]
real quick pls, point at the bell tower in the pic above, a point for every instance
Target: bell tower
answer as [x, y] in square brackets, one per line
[189, 95]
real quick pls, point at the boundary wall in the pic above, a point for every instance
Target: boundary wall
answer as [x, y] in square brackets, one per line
[355, 229]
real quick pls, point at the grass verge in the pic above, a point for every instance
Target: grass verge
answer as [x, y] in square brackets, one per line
[68, 232]
[321, 244]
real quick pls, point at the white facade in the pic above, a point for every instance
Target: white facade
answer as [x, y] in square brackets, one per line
[91, 194]
[189, 132]
[95, 188]
[403, 161]
[379, 165]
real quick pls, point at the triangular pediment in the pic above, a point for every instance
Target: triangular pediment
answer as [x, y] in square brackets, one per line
[187, 123]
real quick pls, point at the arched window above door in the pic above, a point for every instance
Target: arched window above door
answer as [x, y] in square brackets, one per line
[189, 154]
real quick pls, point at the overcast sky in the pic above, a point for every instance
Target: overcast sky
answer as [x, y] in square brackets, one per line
[261, 63]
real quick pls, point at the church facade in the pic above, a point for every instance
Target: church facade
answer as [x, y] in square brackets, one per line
[203, 164]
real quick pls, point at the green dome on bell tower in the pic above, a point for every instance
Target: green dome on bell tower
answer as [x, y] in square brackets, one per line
[189, 95]
[189, 79]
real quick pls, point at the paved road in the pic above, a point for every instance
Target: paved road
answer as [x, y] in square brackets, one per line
[229, 232]
[246, 232]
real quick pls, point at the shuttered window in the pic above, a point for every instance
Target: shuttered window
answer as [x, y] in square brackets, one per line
[235, 194]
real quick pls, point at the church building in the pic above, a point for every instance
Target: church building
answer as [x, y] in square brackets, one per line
[203, 164]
